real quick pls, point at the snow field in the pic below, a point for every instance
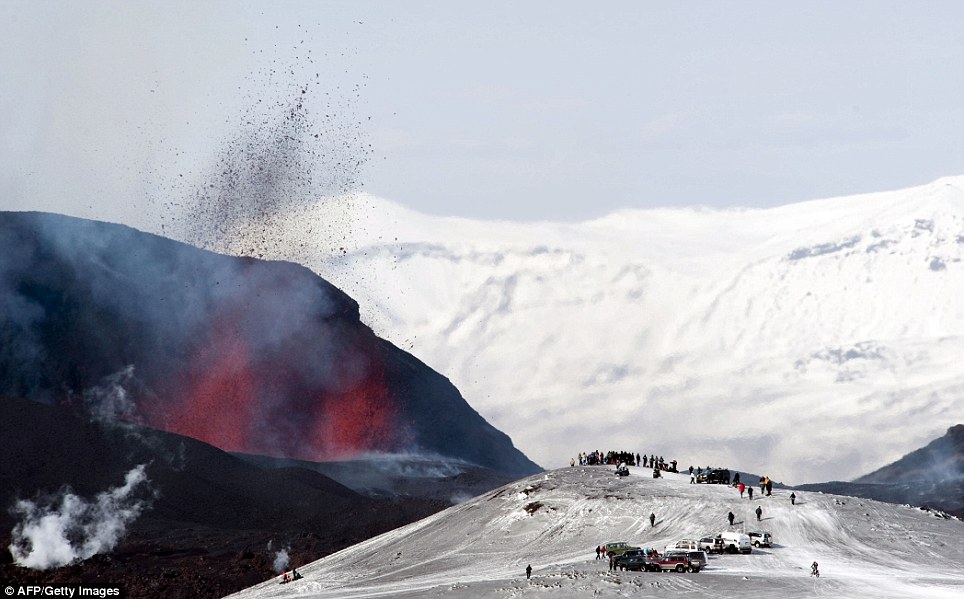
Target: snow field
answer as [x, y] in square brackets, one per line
[554, 521]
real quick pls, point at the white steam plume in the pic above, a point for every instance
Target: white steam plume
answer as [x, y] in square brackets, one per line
[55, 535]
[281, 561]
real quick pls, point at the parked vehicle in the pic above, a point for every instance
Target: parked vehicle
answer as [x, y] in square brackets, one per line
[630, 553]
[678, 563]
[618, 548]
[760, 538]
[712, 544]
[714, 476]
[637, 562]
[697, 559]
[736, 542]
[687, 544]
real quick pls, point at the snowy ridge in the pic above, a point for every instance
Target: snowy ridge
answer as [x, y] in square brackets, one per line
[553, 521]
[835, 319]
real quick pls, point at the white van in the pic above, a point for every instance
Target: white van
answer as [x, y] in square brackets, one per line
[736, 542]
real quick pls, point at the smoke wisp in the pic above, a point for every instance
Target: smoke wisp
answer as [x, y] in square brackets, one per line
[70, 529]
[111, 400]
[281, 561]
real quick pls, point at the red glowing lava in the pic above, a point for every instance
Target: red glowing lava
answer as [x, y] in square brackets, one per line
[239, 399]
[217, 402]
[362, 418]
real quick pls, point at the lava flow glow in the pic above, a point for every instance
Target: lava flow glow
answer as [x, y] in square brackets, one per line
[217, 405]
[361, 417]
[241, 400]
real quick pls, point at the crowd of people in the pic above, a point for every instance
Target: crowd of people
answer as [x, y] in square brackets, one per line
[615, 458]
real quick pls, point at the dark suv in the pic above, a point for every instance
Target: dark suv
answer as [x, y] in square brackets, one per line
[637, 562]
[630, 553]
[714, 476]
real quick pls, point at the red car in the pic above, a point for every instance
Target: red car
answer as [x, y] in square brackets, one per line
[678, 563]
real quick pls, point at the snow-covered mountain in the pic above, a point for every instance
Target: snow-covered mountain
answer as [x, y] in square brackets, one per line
[813, 341]
[554, 521]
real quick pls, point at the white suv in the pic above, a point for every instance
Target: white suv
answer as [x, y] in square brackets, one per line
[760, 538]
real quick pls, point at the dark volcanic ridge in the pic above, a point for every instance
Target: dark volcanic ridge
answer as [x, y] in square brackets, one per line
[208, 523]
[941, 460]
[392, 476]
[930, 477]
[250, 356]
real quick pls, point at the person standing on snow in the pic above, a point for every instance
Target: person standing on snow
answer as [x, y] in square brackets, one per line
[749, 491]
[692, 476]
[652, 519]
[742, 488]
[528, 571]
[759, 513]
[730, 517]
[815, 570]
[793, 499]
[598, 551]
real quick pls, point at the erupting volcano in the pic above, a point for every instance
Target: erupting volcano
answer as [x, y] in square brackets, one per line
[250, 356]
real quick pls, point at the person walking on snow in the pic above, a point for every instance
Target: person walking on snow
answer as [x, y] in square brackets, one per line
[759, 512]
[692, 477]
[742, 488]
[652, 519]
[730, 517]
[749, 491]
[528, 571]
[815, 570]
[598, 551]
[793, 499]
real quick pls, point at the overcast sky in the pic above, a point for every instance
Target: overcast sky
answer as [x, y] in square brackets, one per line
[511, 110]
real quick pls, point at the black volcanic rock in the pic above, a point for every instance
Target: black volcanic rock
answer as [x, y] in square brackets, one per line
[213, 523]
[932, 476]
[247, 355]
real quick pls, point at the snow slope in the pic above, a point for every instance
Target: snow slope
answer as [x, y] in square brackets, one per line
[554, 520]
